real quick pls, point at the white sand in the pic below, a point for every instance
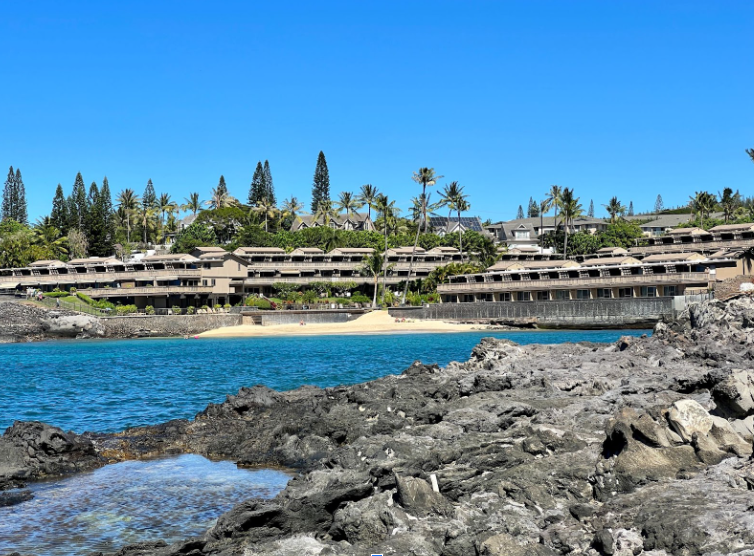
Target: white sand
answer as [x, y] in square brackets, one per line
[376, 322]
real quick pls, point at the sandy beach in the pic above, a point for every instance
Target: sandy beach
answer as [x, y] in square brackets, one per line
[377, 322]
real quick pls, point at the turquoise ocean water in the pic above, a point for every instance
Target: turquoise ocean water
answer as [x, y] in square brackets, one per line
[111, 385]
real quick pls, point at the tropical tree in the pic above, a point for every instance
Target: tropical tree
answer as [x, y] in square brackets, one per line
[552, 201]
[220, 198]
[373, 267]
[702, 204]
[448, 194]
[615, 209]
[267, 208]
[325, 212]
[348, 202]
[192, 203]
[750, 152]
[368, 197]
[165, 205]
[127, 202]
[291, 207]
[389, 215]
[460, 204]
[729, 203]
[570, 208]
[49, 238]
[146, 214]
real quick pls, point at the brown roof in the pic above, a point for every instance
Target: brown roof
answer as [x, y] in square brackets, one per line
[670, 257]
[265, 250]
[733, 228]
[610, 261]
[687, 232]
[352, 250]
[613, 250]
[96, 260]
[209, 249]
[179, 257]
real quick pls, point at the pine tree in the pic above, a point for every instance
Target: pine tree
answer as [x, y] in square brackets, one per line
[78, 206]
[270, 189]
[321, 184]
[58, 215]
[7, 209]
[533, 208]
[150, 197]
[222, 189]
[258, 189]
[98, 234]
[658, 205]
[106, 202]
[631, 208]
[590, 212]
[19, 199]
[520, 213]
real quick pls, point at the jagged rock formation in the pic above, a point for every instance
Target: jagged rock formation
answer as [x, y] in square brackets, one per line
[641, 447]
[22, 323]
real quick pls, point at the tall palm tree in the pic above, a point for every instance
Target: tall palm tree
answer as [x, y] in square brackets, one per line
[291, 207]
[389, 213]
[460, 204]
[449, 192]
[49, 238]
[368, 197]
[326, 212]
[128, 201]
[702, 204]
[348, 202]
[373, 267]
[192, 203]
[729, 203]
[426, 177]
[267, 208]
[570, 208]
[165, 205]
[614, 209]
[552, 201]
[220, 199]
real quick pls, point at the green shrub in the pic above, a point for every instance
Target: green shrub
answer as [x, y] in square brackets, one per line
[258, 302]
[190, 310]
[218, 306]
[56, 294]
[177, 310]
[310, 296]
[149, 310]
[126, 309]
[227, 306]
[204, 307]
[360, 299]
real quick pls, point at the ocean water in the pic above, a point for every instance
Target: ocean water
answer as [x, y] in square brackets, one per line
[130, 502]
[107, 386]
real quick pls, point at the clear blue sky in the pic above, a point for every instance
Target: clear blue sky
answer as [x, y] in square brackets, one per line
[629, 98]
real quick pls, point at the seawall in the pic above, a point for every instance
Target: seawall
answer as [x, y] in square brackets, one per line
[330, 316]
[165, 325]
[595, 313]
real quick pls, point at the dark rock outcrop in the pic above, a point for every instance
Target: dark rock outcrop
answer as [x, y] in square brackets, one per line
[25, 323]
[642, 447]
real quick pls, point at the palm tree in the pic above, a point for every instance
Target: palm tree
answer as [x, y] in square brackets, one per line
[368, 198]
[128, 201]
[459, 203]
[729, 202]
[220, 199]
[750, 152]
[373, 267]
[389, 213]
[570, 208]
[449, 192]
[267, 208]
[192, 203]
[701, 204]
[291, 207]
[146, 214]
[348, 202]
[326, 212]
[165, 205]
[427, 178]
[614, 209]
[49, 238]
[552, 201]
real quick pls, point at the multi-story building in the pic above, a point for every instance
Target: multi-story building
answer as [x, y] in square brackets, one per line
[357, 221]
[727, 236]
[618, 276]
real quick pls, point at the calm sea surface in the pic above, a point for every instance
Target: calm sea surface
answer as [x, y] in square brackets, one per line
[111, 385]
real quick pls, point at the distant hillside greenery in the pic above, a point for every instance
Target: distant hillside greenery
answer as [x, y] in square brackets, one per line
[622, 233]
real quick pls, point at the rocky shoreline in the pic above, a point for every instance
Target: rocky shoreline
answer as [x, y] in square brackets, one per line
[638, 447]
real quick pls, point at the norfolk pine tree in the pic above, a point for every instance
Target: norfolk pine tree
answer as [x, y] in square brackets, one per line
[58, 216]
[258, 189]
[7, 209]
[270, 189]
[149, 199]
[77, 204]
[321, 183]
[19, 199]
[590, 213]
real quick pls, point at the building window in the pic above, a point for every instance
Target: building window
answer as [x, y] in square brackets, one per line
[467, 298]
[604, 293]
[543, 296]
[625, 292]
[523, 296]
[671, 290]
[561, 295]
[522, 234]
[505, 296]
[583, 294]
[648, 291]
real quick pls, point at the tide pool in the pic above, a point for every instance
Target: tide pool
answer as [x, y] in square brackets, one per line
[107, 386]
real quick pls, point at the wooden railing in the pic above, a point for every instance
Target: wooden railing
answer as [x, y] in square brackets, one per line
[578, 283]
[693, 247]
[153, 291]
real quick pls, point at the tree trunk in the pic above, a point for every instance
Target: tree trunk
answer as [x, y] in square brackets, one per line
[384, 267]
[413, 251]
[374, 297]
[565, 243]
[541, 226]
[460, 235]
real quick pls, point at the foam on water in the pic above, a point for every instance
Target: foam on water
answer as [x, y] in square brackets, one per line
[169, 499]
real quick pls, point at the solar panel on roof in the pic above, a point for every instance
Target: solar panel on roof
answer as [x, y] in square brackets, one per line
[468, 222]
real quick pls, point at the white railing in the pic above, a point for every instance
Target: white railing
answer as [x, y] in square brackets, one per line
[90, 277]
[141, 291]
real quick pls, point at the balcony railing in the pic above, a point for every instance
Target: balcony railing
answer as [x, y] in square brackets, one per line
[696, 246]
[578, 283]
[149, 291]
[91, 277]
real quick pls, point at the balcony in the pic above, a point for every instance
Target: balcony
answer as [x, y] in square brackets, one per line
[578, 283]
[74, 278]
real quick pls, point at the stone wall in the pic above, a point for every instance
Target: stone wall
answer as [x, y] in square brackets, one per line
[310, 317]
[162, 326]
[597, 313]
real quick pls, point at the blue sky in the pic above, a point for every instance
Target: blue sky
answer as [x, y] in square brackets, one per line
[630, 98]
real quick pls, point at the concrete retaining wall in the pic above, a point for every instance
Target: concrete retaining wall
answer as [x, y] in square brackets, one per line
[597, 313]
[309, 317]
[162, 326]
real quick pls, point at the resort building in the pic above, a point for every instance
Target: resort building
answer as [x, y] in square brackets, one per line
[211, 275]
[526, 232]
[357, 221]
[728, 236]
[618, 276]
[442, 225]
